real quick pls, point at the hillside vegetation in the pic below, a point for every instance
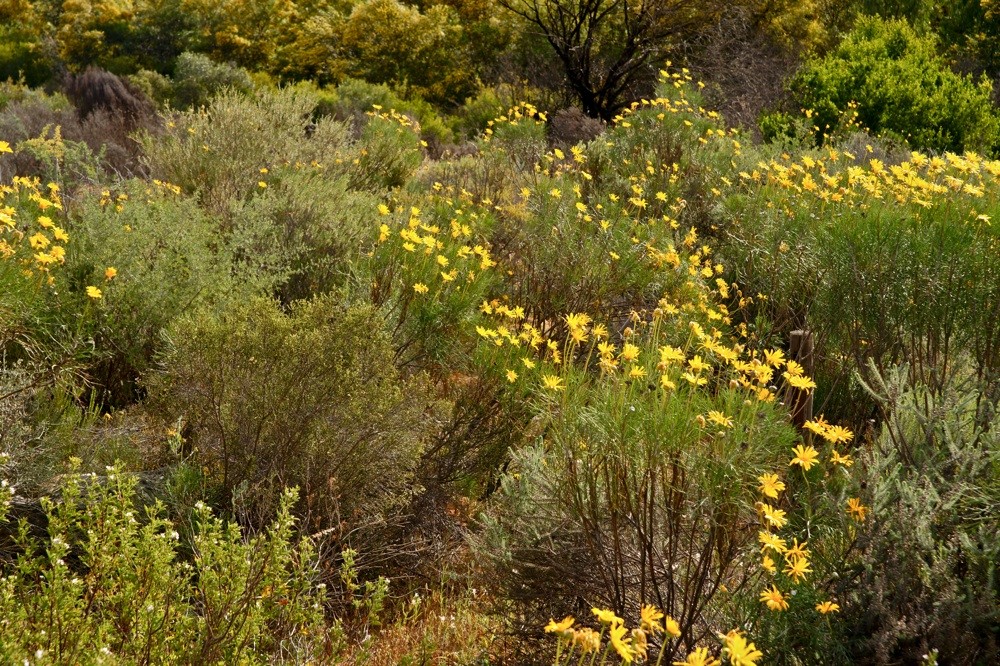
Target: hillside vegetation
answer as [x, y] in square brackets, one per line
[516, 332]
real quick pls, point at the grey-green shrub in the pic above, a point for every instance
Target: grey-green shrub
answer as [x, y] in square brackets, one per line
[925, 576]
[219, 151]
[169, 257]
[309, 398]
[197, 79]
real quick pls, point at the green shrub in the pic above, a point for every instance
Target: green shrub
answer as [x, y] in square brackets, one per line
[477, 112]
[197, 79]
[219, 151]
[352, 99]
[901, 86]
[305, 231]
[925, 577]
[110, 584]
[309, 398]
[169, 258]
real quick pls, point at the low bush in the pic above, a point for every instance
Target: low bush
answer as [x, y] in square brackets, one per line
[925, 575]
[310, 398]
[117, 577]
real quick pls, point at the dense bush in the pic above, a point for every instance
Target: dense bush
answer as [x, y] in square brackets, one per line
[932, 476]
[197, 79]
[900, 86]
[118, 579]
[310, 398]
[165, 258]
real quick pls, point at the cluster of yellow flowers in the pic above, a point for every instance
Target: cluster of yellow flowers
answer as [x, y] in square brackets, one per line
[434, 254]
[517, 114]
[796, 556]
[841, 176]
[33, 239]
[633, 645]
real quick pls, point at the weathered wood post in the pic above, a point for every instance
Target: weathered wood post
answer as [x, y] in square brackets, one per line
[800, 350]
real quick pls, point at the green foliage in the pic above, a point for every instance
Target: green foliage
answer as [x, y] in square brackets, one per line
[116, 577]
[310, 398]
[219, 151]
[21, 58]
[425, 53]
[168, 258]
[197, 79]
[901, 86]
[926, 572]
[352, 99]
[303, 233]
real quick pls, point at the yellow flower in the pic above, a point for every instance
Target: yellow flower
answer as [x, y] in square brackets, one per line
[775, 517]
[797, 550]
[793, 369]
[699, 657]
[606, 616]
[836, 434]
[670, 355]
[741, 652]
[636, 372]
[640, 644]
[805, 457]
[528, 363]
[511, 376]
[771, 485]
[800, 382]
[554, 627]
[45, 222]
[772, 541]
[553, 383]
[798, 568]
[39, 241]
[817, 425]
[774, 358]
[5, 147]
[719, 418]
[383, 209]
[651, 616]
[94, 292]
[420, 288]
[856, 509]
[828, 607]
[261, 184]
[587, 640]
[671, 626]
[42, 258]
[621, 644]
[697, 365]
[838, 459]
[630, 352]
[555, 193]
[110, 272]
[694, 380]
[768, 564]
[774, 599]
